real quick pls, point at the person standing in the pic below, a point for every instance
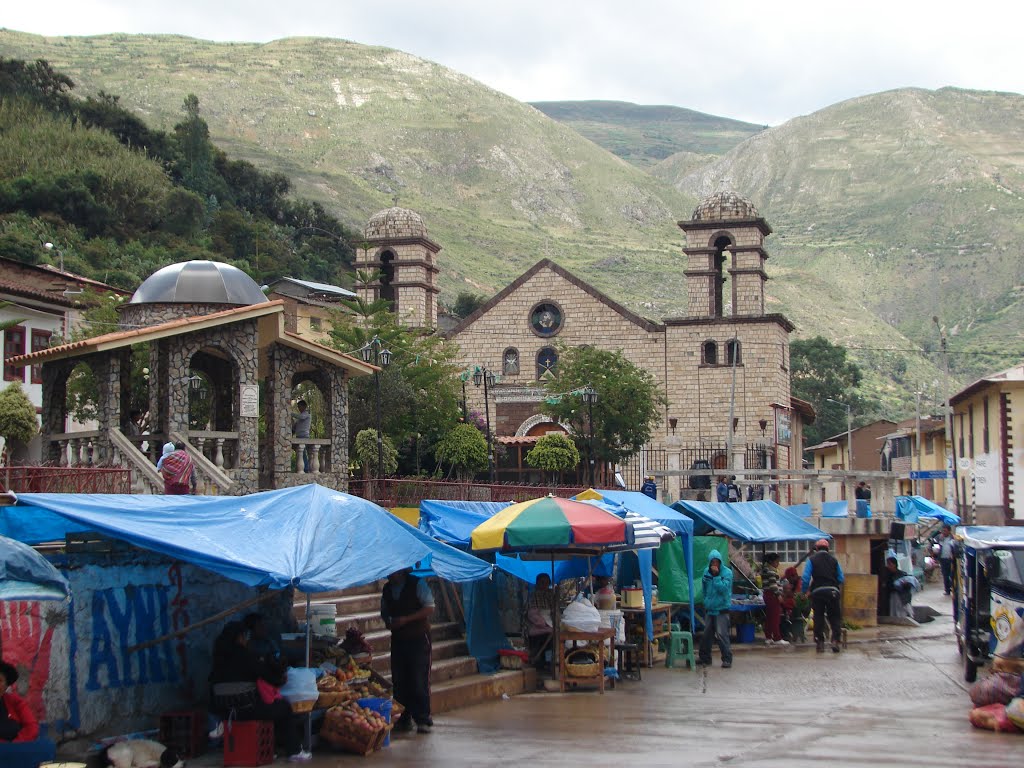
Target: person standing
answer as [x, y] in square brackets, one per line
[406, 606]
[650, 488]
[717, 583]
[946, 551]
[722, 490]
[771, 587]
[732, 491]
[300, 429]
[822, 577]
[178, 471]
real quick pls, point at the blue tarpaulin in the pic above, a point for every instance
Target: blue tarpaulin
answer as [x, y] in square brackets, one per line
[27, 575]
[910, 508]
[310, 537]
[453, 521]
[753, 521]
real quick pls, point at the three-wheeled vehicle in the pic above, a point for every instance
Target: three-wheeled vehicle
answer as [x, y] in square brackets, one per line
[988, 605]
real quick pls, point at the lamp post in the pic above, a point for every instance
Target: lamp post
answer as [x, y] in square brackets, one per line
[487, 378]
[590, 397]
[373, 352]
[849, 432]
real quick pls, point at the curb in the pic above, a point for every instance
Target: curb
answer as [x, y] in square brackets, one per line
[759, 647]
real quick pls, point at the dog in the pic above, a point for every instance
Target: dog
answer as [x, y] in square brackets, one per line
[142, 753]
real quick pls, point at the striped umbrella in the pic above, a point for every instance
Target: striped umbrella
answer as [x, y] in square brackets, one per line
[647, 533]
[552, 523]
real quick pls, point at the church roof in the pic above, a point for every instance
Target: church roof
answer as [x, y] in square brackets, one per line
[725, 206]
[647, 325]
[199, 282]
[392, 223]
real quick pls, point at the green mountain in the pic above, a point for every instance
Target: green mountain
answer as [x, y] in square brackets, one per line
[645, 135]
[909, 202]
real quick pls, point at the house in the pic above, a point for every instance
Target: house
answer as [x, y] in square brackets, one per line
[308, 306]
[917, 446]
[834, 454]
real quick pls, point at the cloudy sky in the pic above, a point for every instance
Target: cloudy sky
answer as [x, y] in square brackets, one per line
[761, 61]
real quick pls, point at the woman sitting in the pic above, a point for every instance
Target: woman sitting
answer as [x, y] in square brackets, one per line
[234, 677]
[17, 723]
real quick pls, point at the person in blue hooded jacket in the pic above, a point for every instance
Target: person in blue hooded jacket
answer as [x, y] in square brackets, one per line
[717, 583]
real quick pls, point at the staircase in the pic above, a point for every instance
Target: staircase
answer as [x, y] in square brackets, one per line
[454, 679]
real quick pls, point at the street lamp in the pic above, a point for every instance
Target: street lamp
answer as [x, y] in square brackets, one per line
[374, 352]
[849, 432]
[487, 378]
[589, 395]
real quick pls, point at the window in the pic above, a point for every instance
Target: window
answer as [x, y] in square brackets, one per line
[40, 340]
[929, 444]
[789, 551]
[510, 362]
[314, 324]
[984, 425]
[970, 430]
[733, 353]
[961, 437]
[546, 319]
[547, 363]
[14, 345]
[709, 353]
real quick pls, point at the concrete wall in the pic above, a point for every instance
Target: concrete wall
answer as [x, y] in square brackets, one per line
[74, 668]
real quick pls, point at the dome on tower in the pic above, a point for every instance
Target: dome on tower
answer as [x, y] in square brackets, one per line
[392, 223]
[725, 206]
[199, 282]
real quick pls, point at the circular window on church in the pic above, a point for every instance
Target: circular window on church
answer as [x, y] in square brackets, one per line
[546, 319]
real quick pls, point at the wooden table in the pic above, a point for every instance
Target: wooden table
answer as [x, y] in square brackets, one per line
[586, 638]
[661, 619]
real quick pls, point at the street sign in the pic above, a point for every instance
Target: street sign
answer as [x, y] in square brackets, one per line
[930, 474]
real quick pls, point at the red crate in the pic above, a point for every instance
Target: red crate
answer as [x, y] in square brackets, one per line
[249, 743]
[185, 732]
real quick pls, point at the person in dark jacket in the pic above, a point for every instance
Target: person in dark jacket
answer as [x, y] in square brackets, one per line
[650, 488]
[822, 578]
[406, 606]
[771, 587]
[717, 583]
[722, 490]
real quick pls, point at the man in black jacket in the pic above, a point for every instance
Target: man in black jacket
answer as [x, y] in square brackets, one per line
[406, 606]
[822, 578]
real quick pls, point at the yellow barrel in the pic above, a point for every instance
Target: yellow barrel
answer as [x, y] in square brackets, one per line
[860, 599]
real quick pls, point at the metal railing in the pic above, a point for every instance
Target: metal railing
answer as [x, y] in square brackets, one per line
[409, 492]
[38, 479]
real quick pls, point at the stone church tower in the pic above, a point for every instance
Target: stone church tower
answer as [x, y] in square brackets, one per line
[397, 246]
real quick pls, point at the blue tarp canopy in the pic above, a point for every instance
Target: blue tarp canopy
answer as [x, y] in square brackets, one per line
[910, 508]
[310, 537]
[453, 521]
[27, 575]
[753, 521]
[988, 536]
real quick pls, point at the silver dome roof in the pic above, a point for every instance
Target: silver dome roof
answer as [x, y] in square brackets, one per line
[199, 282]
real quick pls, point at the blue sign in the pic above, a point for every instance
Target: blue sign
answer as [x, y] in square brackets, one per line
[931, 474]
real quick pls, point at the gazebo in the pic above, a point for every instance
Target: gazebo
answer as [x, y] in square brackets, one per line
[205, 328]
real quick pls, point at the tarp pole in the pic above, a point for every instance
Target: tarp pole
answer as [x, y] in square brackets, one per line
[308, 743]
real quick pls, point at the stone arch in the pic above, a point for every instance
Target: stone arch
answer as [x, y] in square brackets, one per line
[709, 352]
[387, 277]
[733, 352]
[213, 404]
[536, 420]
[721, 241]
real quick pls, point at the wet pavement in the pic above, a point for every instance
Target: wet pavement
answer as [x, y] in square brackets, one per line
[896, 697]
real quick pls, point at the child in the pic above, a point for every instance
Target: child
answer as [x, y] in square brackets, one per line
[787, 602]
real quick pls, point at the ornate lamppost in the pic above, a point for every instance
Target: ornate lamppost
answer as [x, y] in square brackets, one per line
[486, 377]
[374, 352]
[589, 395]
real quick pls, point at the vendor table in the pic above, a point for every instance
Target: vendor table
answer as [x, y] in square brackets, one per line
[661, 619]
[577, 640]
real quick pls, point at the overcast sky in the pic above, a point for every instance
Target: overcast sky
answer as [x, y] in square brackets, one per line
[758, 61]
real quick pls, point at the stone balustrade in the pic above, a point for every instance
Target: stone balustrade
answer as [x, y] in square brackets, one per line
[319, 452]
[221, 448]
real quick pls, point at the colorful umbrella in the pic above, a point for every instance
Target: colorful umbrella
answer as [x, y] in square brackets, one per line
[551, 523]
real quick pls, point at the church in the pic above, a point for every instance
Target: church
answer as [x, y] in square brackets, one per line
[726, 356]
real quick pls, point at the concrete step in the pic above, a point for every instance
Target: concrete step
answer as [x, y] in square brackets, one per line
[344, 605]
[445, 649]
[476, 688]
[445, 670]
[380, 640]
[367, 622]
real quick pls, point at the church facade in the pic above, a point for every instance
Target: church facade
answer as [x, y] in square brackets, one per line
[724, 367]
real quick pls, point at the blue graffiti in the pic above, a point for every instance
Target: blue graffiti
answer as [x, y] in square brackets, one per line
[122, 618]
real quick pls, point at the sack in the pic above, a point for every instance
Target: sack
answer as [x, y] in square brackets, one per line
[992, 718]
[997, 688]
[301, 685]
[1015, 711]
[582, 616]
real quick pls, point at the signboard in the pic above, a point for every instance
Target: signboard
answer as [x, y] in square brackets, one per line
[929, 474]
[249, 401]
[783, 428]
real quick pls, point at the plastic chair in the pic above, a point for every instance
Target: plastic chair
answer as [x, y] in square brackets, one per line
[676, 641]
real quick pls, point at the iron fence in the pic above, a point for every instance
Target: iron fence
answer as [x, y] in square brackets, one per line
[409, 492]
[31, 479]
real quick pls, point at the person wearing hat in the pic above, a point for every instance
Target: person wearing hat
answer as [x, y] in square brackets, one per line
[650, 488]
[17, 723]
[822, 578]
[168, 450]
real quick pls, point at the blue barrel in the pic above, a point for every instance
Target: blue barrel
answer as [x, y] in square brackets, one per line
[380, 705]
[745, 633]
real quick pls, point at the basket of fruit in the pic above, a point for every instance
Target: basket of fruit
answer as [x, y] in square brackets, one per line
[354, 729]
[582, 663]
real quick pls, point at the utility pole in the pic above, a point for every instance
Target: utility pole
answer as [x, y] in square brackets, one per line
[950, 476]
[917, 396]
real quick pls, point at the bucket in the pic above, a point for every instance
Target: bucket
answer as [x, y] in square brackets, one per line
[745, 633]
[323, 619]
[383, 706]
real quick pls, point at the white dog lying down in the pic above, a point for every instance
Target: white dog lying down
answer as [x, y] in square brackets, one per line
[142, 753]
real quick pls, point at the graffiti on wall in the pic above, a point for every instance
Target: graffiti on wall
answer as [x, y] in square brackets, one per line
[26, 635]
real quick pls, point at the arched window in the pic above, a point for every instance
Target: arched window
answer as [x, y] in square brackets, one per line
[709, 353]
[547, 363]
[719, 266]
[510, 362]
[733, 352]
[387, 277]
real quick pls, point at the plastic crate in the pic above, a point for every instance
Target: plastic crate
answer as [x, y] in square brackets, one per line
[248, 744]
[185, 732]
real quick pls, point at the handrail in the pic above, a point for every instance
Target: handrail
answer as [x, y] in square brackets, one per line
[202, 463]
[137, 458]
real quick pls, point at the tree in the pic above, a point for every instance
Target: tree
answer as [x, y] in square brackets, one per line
[464, 450]
[466, 303]
[366, 454]
[629, 402]
[17, 415]
[554, 453]
[819, 371]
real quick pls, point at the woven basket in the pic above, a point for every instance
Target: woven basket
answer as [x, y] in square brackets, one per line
[328, 699]
[583, 668]
[300, 707]
[346, 741]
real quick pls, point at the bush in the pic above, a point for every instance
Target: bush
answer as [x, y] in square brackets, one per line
[464, 450]
[17, 415]
[554, 453]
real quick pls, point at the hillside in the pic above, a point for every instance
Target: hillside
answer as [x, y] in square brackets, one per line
[646, 135]
[911, 201]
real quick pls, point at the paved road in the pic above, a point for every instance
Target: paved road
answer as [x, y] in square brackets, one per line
[897, 702]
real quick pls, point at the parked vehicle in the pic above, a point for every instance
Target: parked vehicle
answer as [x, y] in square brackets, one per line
[988, 604]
